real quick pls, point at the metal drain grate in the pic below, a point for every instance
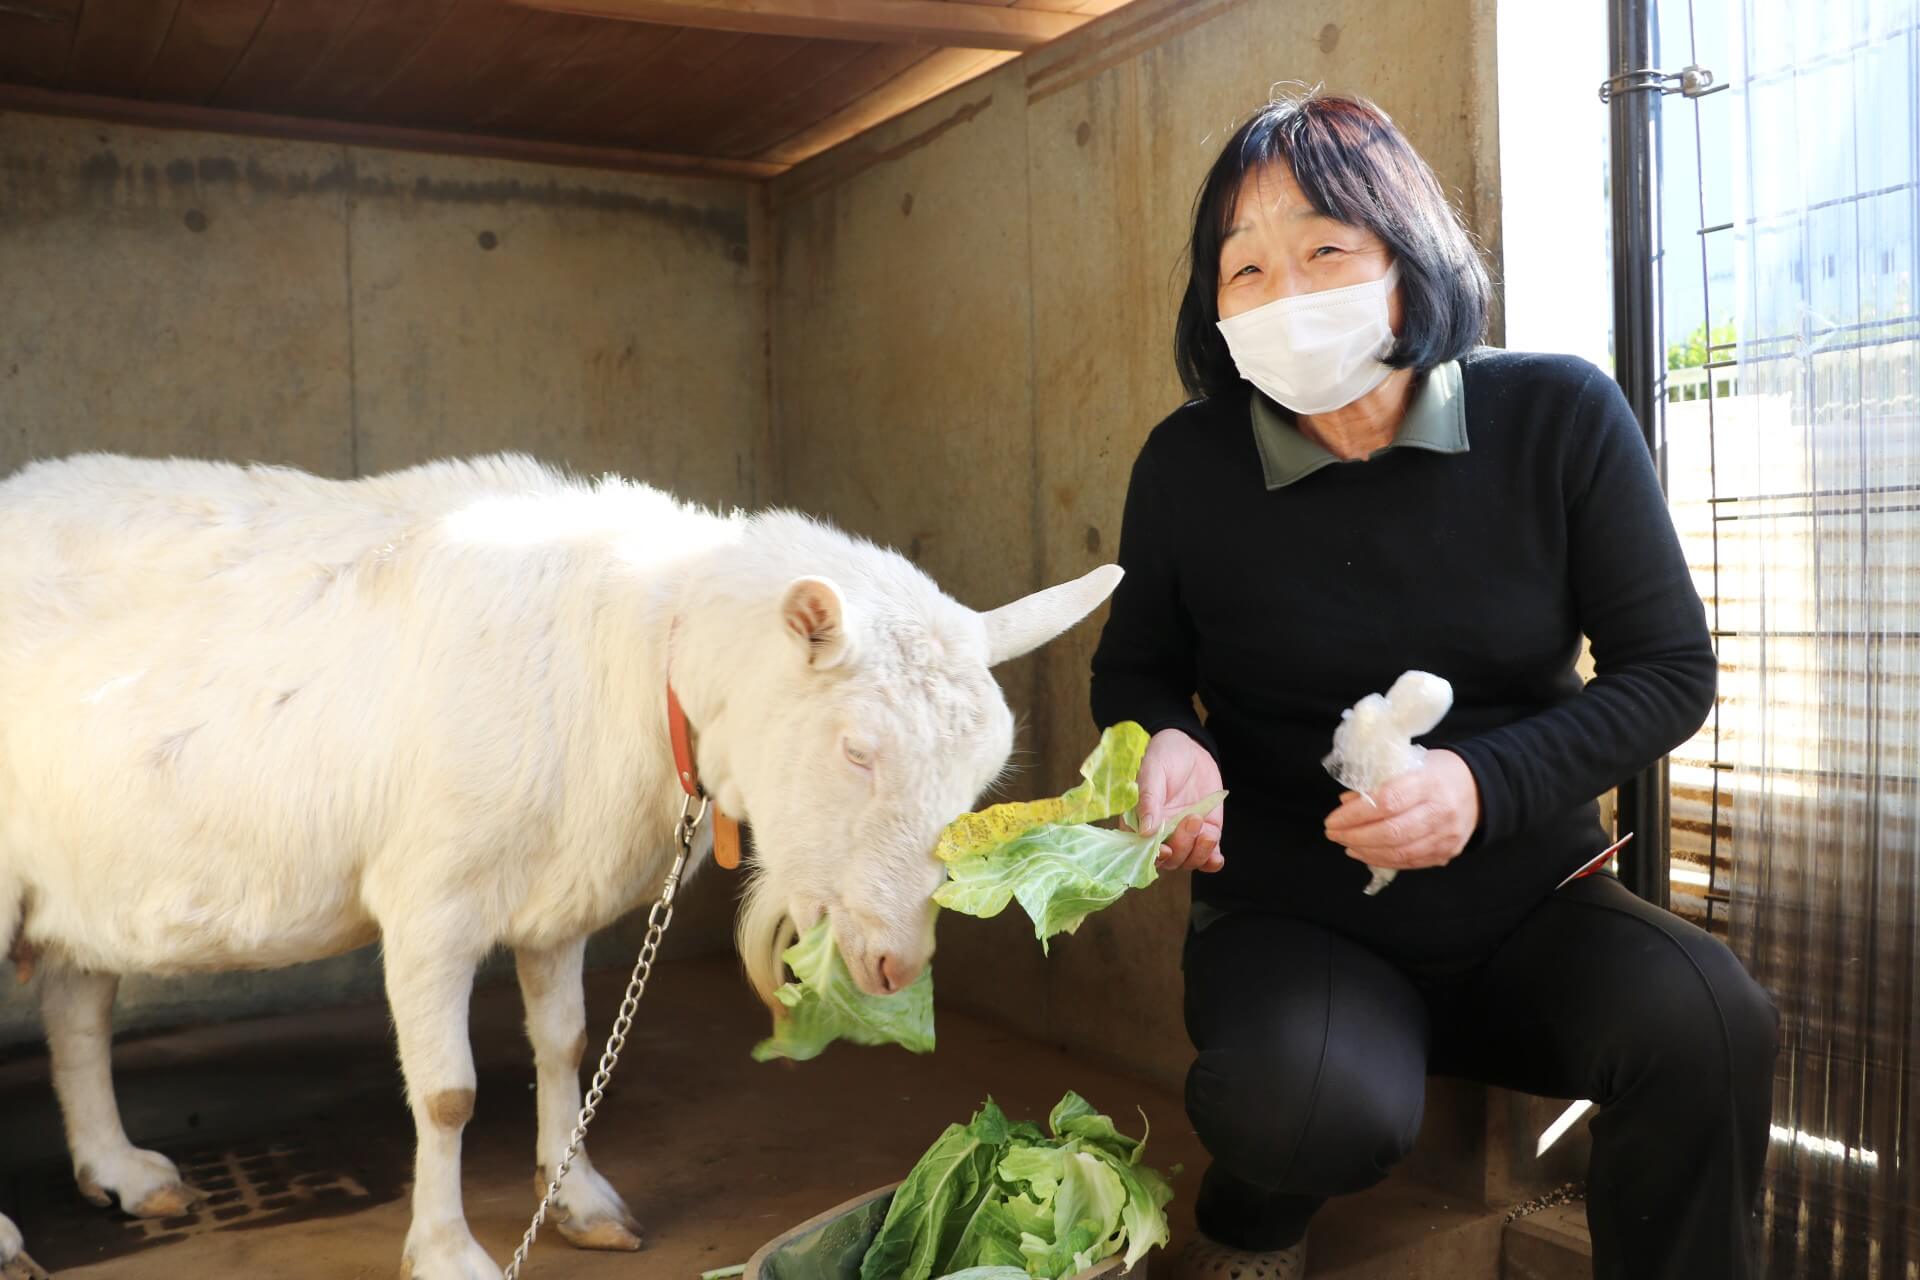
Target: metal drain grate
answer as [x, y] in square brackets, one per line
[259, 1187]
[288, 1178]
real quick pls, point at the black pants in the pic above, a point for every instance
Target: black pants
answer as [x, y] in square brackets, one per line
[1313, 1055]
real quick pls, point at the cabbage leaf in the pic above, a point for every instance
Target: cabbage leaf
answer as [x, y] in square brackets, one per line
[1060, 874]
[825, 1005]
[1111, 787]
[991, 1200]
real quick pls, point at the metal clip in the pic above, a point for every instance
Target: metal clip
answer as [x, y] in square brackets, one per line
[693, 811]
[1692, 82]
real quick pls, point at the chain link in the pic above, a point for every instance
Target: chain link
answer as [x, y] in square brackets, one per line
[692, 814]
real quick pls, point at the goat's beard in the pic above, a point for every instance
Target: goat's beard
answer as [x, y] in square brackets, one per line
[762, 934]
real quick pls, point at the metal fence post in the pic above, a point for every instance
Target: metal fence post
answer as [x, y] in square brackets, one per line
[1637, 358]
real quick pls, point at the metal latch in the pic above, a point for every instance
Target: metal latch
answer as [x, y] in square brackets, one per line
[1692, 82]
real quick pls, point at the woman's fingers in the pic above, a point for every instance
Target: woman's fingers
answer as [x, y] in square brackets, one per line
[1390, 832]
[1401, 795]
[1193, 846]
[1198, 851]
[1179, 845]
[1352, 812]
[1412, 821]
[1153, 792]
[1431, 852]
[1176, 772]
[1206, 851]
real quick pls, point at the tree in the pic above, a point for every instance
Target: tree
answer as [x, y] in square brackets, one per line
[1697, 349]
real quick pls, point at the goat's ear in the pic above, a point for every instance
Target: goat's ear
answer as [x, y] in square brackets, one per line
[1028, 623]
[816, 617]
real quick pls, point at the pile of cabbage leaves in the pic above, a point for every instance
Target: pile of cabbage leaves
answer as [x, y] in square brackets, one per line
[995, 1199]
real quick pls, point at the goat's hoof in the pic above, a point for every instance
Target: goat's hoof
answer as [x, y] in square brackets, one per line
[588, 1212]
[167, 1202]
[23, 1268]
[14, 1262]
[146, 1183]
[90, 1187]
[445, 1254]
[608, 1233]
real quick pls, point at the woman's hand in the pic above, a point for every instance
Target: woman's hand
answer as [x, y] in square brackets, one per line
[1420, 819]
[1178, 772]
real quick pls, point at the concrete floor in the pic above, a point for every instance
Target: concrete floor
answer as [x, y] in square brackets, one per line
[295, 1123]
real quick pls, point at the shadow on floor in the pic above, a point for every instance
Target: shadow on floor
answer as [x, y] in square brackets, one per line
[296, 1126]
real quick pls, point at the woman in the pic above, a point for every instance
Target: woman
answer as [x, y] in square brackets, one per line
[1356, 491]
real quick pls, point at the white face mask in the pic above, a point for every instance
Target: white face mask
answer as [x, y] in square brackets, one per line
[1316, 352]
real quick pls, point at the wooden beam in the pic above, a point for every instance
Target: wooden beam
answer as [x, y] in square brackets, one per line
[171, 115]
[931, 22]
[921, 83]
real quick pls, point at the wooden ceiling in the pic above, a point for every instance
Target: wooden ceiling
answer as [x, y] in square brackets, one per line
[745, 87]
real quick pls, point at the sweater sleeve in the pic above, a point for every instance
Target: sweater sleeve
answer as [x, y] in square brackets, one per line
[1143, 668]
[1635, 601]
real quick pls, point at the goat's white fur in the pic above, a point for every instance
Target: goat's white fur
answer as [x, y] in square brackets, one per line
[250, 717]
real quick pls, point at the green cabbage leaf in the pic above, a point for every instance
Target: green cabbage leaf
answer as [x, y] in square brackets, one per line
[825, 1005]
[991, 1200]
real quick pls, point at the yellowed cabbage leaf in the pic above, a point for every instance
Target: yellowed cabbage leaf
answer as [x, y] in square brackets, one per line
[1111, 787]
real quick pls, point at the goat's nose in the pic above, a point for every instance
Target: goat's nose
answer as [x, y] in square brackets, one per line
[890, 974]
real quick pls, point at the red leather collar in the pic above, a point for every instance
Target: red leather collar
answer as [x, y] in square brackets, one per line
[726, 831]
[683, 766]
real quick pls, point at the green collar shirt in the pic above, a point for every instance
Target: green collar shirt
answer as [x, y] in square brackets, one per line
[1436, 420]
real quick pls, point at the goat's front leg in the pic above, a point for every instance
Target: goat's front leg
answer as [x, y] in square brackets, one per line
[588, 1212]
[429, 983]
[14, 1262]
[77, 1010]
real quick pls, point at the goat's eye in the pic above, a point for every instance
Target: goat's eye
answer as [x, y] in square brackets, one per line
[860, 757]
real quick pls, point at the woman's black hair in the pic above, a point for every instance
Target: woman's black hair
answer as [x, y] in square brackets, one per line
[1353, 165]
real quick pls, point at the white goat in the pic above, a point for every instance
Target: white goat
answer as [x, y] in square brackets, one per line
[250, 717]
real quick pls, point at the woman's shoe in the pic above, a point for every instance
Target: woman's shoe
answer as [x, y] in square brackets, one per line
[1205, 1259]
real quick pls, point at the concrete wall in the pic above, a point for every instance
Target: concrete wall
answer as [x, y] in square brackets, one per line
[970, 324]
[350, 310]
[972, 319]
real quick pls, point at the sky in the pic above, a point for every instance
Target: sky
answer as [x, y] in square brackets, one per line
[1821, 105]
[1695, 142]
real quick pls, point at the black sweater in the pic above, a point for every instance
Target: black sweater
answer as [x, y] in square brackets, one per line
[1281, 608]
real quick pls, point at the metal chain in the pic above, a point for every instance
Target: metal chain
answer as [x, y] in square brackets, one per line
[692, 814]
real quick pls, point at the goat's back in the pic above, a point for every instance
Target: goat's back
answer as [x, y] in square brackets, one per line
[224, 688]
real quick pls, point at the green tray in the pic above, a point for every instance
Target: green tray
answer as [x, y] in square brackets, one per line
[830, 1246]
